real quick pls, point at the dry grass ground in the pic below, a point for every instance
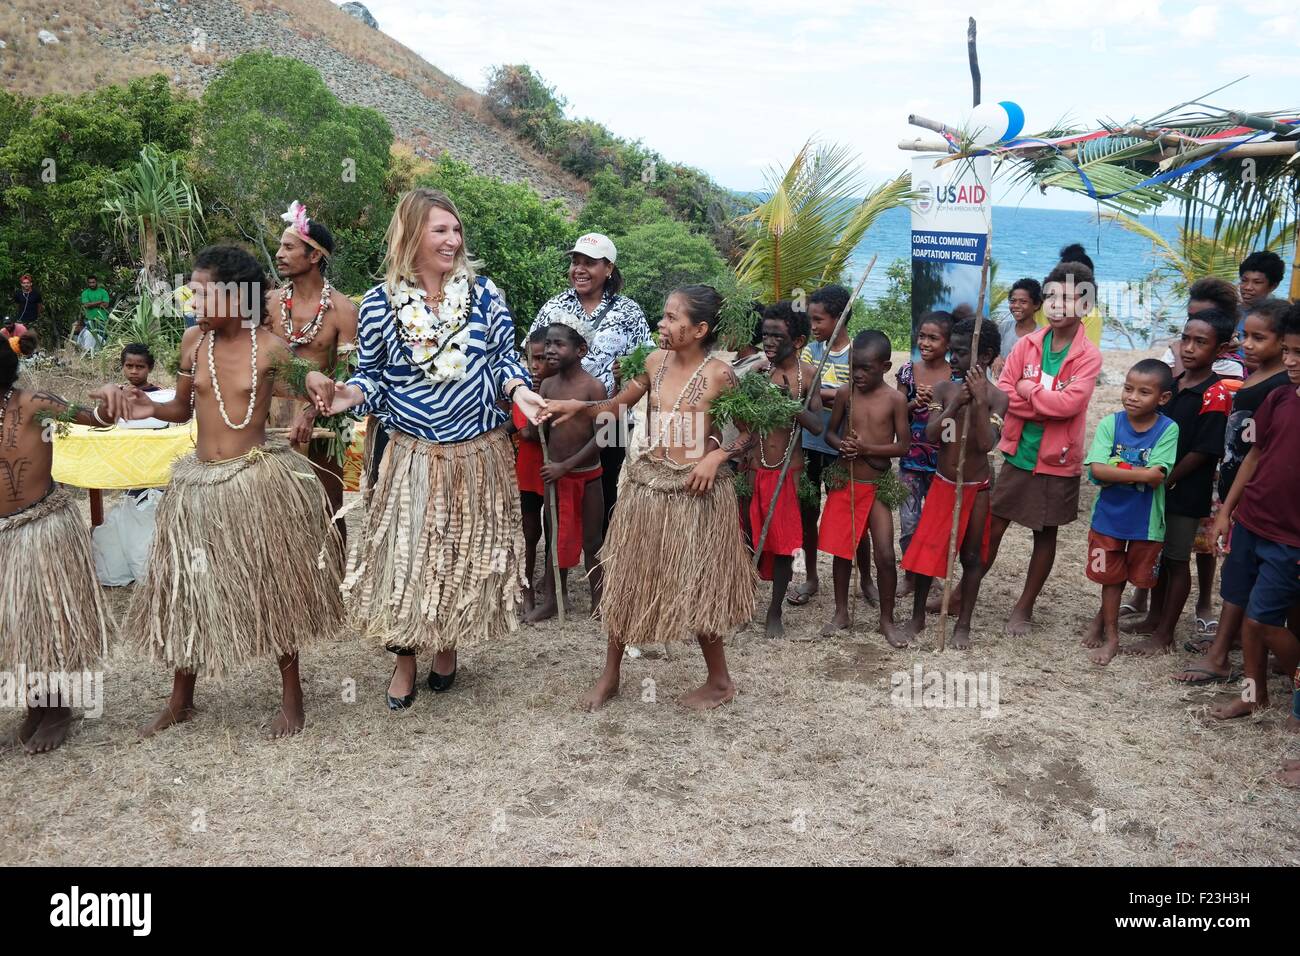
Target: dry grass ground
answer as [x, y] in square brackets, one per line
[811, 764]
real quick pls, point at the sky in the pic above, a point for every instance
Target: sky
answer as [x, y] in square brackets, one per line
[735, 87]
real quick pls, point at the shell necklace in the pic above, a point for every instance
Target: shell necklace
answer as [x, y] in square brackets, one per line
[310, 330]
[4, 403]
[216, 386]
[666, 422]
[794, 429]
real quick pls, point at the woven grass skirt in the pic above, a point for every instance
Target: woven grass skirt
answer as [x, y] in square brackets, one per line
[440, 562]
[245, 564]
[676, 565]
[52, 614]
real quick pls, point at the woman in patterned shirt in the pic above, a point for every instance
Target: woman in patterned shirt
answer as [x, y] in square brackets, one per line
[440, 563]
[594, 295]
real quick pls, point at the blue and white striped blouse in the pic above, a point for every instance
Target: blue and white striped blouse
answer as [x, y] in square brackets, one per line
[402, 397]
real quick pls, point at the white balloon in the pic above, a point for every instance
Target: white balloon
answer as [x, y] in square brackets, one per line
[988, 123]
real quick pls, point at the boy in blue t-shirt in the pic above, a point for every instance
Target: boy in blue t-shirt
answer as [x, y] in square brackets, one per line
[1132, 452]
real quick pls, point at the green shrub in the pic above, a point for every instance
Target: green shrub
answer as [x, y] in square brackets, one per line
[657, 257]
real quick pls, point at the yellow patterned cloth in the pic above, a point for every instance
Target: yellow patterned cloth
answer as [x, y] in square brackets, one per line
[120, 458]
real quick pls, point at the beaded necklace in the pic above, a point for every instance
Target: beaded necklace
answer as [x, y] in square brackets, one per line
[312, 328]
[658, 397]
[794, 429]
[216, 386]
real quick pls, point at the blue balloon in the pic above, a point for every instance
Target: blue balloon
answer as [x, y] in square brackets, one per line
[1015, 119]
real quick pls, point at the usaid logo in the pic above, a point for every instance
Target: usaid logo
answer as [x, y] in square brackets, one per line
[925, 198]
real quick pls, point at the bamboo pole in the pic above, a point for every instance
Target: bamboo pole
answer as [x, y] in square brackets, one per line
[1295, 265]
[789, 451]
[554, 549]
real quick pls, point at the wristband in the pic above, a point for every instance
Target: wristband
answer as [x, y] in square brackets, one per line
[94, 413]
[510, 392]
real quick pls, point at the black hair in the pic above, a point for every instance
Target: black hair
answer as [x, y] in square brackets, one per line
[574, 337]
[703, 303]
[537, 335]
[27, 343]
[1269, 263]
[990, 337]
[832, 298]
[1075, 252]
[136, 348]
[944, 320]
[1163, 373]
[321, 235]
[614, 284]
[92, 276]
[1291, 321]
[1224, 325]
[1030, 286]
[1272, 310]
[231, 264]
[1071, 270]
[8, 364]
[874, 342]
[1219, 292]
[796, 320]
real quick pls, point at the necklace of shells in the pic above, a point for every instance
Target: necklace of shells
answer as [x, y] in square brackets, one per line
[312, 328]
[666, 423]
[794, 430]
[216, 386]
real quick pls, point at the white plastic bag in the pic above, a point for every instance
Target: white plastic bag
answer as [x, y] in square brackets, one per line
[121, 544]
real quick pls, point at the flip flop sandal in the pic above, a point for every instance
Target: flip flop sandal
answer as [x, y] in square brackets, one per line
[800, 597]
[1198, 646]
[1129, 609]
[1200, 625]
[1209, 677]
[1211, 628]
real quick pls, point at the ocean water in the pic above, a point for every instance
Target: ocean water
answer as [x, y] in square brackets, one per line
[1026, 242]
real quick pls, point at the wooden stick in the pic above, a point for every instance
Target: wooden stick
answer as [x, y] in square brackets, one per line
[1295, 266]
[961, 449]
[807, 399]
[974, 58]
[922, 145]
[933, 126]
[554, 511]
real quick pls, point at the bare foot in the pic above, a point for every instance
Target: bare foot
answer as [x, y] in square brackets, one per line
[288, 721]
[543, 611]
[23, 732]
[171, 714]
[1093, 638]
[1019, 624]
[1142, 625]
[529, 601]
[606, 688]
[934, 602]
[708, 696]
[895, 635]
[1289, 775]
[1105, 653]
[906, 585]
[51, 732]
[871, 593]
[1234, 709]
[1151, 647]
[775, 627]
[961, 640]
[839, 622]
[915, 627]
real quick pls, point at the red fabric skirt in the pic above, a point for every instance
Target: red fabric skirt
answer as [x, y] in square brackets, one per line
[844, 519]
[528, 458]
[785, 536]
[568, 493]
[928, 552]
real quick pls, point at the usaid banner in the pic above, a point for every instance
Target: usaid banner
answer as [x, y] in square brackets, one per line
[950, 234]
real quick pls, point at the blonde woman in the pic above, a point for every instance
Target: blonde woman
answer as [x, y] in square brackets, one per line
[440, 562]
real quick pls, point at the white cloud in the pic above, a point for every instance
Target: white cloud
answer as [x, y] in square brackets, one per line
[1201, 23]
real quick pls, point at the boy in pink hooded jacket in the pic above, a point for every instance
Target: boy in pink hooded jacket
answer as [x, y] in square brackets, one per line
[1049, 378]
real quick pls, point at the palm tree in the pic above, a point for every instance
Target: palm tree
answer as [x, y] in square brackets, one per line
[156, 213]
[805, 232]
[1194, 255]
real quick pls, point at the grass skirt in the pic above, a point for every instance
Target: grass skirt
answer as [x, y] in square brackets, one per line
[52, 615]
[245, 564]
[440, 562]
[675, 563]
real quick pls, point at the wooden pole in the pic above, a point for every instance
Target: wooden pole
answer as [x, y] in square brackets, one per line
[961, 449]
[789, 451]
[974, 60]
[554, 511]
[1295, 265]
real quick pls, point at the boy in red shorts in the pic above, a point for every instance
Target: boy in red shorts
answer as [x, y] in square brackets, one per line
[528, 466]
[1132, 452]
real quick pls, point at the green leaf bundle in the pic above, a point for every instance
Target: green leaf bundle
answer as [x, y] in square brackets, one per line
[756, 405]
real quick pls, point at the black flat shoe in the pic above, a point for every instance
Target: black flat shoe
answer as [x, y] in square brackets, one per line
[401, 703]
[438, 683]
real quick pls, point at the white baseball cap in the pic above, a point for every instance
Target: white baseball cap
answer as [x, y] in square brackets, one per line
[596, 246]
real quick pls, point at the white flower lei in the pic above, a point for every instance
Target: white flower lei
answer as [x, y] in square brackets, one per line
[438, 340]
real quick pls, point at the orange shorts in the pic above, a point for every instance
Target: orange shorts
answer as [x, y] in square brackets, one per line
[1114, 560]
